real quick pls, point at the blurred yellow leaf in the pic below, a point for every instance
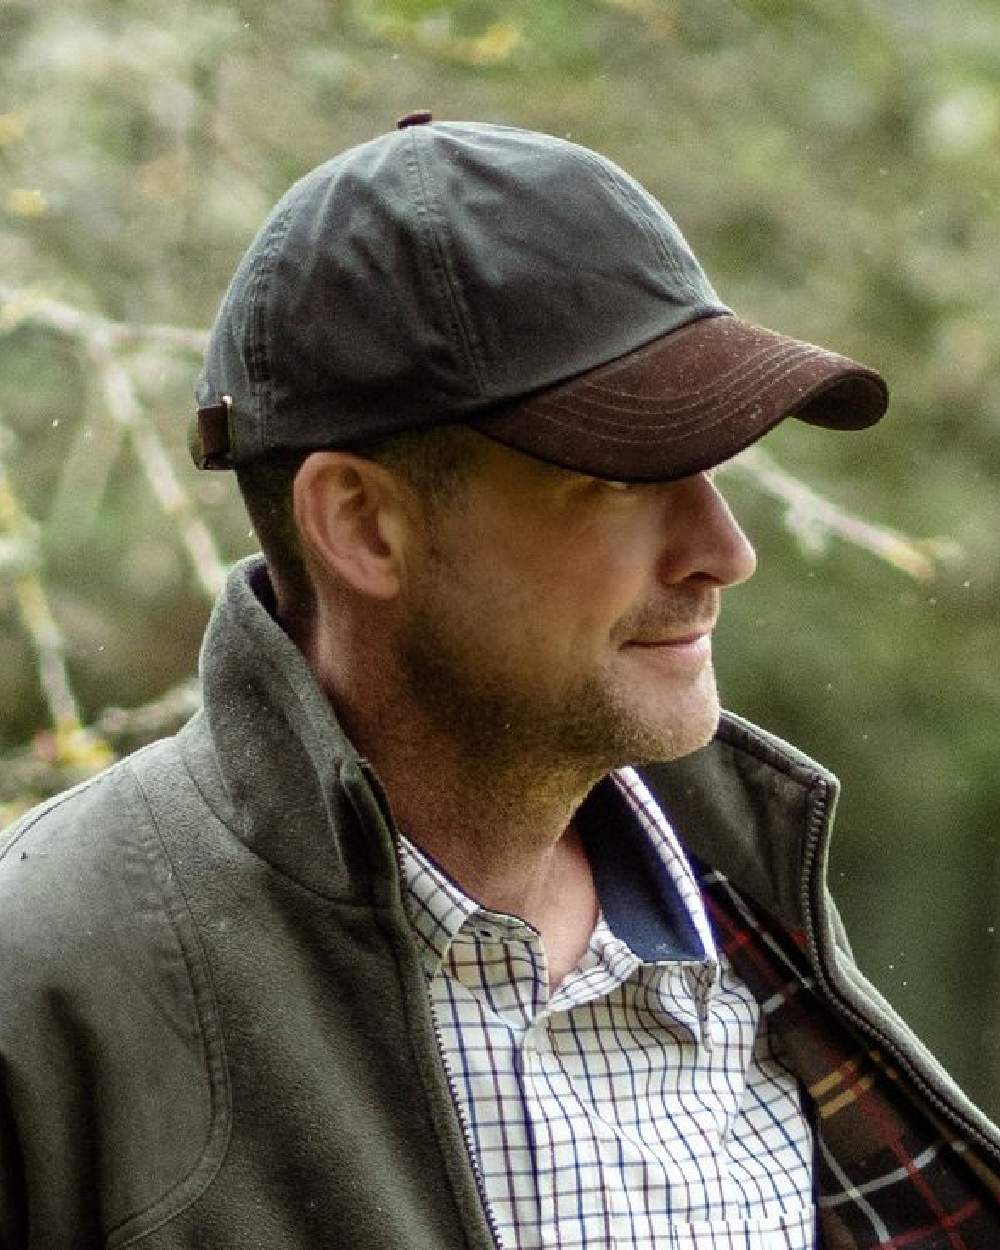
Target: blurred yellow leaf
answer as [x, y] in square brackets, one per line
[12, 127]
[495, 44]
[25, 202]
[77, 747]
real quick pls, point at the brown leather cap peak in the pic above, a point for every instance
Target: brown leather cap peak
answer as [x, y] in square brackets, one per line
[687, 401]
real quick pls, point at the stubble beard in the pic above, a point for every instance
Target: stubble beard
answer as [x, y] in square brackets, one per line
[505, 725]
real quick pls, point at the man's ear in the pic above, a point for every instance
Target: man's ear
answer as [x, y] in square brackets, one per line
[352, 517]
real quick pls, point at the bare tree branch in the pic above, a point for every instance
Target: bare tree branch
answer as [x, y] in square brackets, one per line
[813, 519]
[20, 535]
[124, 407]
[19, 307]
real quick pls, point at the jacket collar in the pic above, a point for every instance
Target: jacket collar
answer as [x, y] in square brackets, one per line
[756, 810]
[296, 791]
[271, 757]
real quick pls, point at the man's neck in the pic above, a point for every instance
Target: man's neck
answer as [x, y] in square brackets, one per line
[504, 834]
[498, 821]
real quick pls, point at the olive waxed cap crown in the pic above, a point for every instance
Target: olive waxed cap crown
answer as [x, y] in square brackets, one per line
[461, 272]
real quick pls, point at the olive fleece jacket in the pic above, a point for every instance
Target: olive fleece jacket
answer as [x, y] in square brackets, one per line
[214, 1027]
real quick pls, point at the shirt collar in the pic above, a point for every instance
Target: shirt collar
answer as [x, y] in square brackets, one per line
[648, 893]
[436, 905]
[677, 894]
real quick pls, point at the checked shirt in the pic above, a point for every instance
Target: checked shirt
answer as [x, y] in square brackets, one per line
[639, 1105]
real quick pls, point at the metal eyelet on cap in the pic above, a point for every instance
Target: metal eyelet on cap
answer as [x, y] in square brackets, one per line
[418, 117]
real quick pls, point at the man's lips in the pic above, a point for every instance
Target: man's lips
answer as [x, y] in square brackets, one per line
[668, 642]
[692, 648]
[675, 640]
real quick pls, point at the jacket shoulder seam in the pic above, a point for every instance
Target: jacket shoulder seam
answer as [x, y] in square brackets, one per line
[186, 1191]
[14, 833]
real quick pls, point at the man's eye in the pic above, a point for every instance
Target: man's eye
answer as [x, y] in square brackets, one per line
[618, 485]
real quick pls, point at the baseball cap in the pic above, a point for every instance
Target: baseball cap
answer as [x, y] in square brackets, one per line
[510, 280]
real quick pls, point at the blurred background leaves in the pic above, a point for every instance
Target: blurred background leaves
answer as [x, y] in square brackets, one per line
[836, 168]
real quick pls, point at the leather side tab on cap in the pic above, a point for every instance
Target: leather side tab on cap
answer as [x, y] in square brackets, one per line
[417, 117]
[210, 443]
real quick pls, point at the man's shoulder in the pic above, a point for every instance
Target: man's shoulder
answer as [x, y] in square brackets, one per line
[78, 864]
[108, 1024]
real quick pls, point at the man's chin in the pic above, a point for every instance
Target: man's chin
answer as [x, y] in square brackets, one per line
[688, 731]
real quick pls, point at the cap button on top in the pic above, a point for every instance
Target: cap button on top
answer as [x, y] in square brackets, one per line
[419, 117]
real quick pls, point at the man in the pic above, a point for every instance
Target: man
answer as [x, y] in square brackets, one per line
[457, 918]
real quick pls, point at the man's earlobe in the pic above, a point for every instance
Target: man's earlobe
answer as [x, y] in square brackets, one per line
[348, 513]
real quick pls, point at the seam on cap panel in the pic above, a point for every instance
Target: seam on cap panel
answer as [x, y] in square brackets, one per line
[462, 335]
[634, 196]
[258, 354]
[623, 186]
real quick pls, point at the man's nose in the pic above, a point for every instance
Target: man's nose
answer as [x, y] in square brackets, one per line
[708, 542]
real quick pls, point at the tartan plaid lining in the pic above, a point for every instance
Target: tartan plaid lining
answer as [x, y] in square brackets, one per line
[891, 1176]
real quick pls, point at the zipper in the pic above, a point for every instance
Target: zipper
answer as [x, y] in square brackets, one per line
[491, 1219]
[375, 793]
[470, 1146]
[814, 836]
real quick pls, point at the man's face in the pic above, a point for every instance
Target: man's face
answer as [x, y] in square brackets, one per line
[565, 620]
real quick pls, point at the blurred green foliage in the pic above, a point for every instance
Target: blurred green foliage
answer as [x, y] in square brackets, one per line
[835, 166]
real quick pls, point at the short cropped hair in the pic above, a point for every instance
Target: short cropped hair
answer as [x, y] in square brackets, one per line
[435, 462]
